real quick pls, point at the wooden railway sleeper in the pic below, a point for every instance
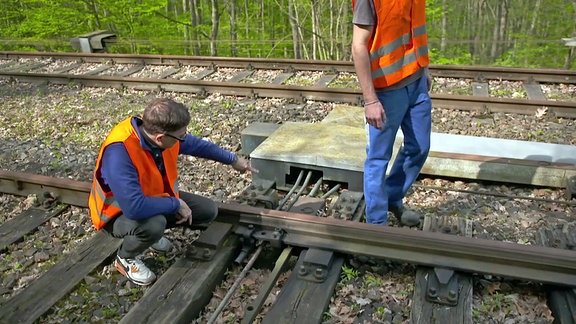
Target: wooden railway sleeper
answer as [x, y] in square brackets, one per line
[210, 241]
[571, 188]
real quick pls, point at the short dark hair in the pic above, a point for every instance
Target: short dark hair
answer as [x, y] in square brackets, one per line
[165, 115]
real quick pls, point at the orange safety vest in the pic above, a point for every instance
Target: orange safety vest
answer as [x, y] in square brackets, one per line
[399, 44]
[103, 205]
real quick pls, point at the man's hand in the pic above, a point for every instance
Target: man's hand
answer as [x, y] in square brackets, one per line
[242, 165]
[375, 114]
[184, 214]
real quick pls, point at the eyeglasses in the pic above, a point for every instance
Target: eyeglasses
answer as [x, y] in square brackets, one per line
[179, 139]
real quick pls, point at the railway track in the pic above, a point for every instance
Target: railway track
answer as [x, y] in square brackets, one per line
[295, 236]
[331, 81]
[322, 244]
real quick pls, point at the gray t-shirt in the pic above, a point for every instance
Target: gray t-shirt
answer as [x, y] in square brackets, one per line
[365, 14]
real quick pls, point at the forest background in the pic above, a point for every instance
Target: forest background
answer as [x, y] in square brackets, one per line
[521, 33]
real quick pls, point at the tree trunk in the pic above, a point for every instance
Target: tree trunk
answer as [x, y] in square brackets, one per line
[345, 38]
[186, 27]
[477, 31]
[233, 29]
[215, 23]
[294, 24]
[571, 50]
[443, 31]
[194, 20]
[314, 29]
[333, 25]
[499, 30]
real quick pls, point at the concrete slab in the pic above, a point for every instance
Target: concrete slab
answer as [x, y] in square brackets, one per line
[337, 146]
[335, 150]
[339, 142]
[255, 134]
[473, 145]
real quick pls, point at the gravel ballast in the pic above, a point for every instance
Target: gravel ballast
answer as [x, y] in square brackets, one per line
[57, 130]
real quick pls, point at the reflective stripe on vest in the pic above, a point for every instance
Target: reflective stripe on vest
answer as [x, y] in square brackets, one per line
[107, 201]
[394, 45]
[399, 44]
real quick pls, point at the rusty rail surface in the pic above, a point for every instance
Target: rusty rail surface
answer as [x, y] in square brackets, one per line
[301, 93]
[542, 264]
[319, 92]
[456, 71]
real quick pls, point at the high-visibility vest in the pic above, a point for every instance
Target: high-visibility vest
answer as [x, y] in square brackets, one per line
[103, 205]
[399, 44]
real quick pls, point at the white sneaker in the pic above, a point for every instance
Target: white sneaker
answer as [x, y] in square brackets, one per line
[135, 270]
[163, 245]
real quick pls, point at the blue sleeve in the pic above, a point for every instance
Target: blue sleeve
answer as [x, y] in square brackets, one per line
[205, 149]
[121, 176]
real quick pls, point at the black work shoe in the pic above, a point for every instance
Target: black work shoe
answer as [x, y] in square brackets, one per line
[407, 217]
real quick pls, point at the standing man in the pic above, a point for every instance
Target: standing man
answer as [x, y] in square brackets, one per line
[389, 48]
[135, 192]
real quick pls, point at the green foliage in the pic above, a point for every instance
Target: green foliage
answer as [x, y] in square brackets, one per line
[372, 280]
[456, 56]
[349, 273]
[459, 32]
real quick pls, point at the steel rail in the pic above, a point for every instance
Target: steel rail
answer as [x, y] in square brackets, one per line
[205, 61]
[347, 95]
[527, 262]
[456, 71]
[542, 264]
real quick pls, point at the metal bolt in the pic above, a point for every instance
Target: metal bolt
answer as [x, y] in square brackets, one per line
[302, 271]
[207, 253]
[432, 292]
[452, 295]
[319, 273]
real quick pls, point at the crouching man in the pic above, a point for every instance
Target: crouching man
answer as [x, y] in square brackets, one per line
[135, 193]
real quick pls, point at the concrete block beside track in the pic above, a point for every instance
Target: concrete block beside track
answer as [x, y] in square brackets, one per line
[336, 147]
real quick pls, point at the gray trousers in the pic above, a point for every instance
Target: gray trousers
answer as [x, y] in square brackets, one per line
[138, 235]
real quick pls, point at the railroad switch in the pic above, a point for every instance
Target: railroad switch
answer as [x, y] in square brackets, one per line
[260, 194]
[210, 240]
[442, 286]
[316, 264]
[250, 236]
[308, 205]
[346, 205]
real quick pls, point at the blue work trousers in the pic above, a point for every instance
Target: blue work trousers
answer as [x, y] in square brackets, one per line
[411, 109]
